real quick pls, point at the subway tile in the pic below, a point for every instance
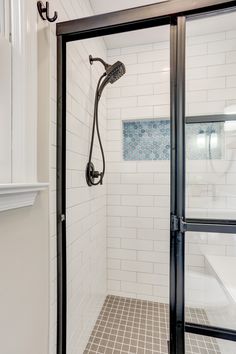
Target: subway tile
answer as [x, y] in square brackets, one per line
[135, 178]
[196, 73]
[196, 50]
[231, 81]
[113, 178]
[154, 279]
[140, 90]
[161, 268]
[113, 124]
[121, 254]
[116, 274]
[113, 200]
[153, 212]
[136, 49]
[162, 178]
[113, 285]
[137, 112]
[152, 234]
[137, 244]
[113, 242]
[226, 45]
[122, 102]
[221, 94]
[113, 221]
[206, 84]
[221, 70]
[162, 246]
[114, 264]
[231, 57]
[161, 66]
[137, 200]
[114, 92]
[137, 222]
[136, 288]
[153, 78]
[122, 167]
[145, 189]
[139, 68]
[153, 166]
[160, 99]
[200, 108]
[161, 88]
[161, 291]
[155, 55]
[149, 256]
[121, 232]
[211, 37]
[205, 60]
[135, 266]
[116, 210]
[162, 111]
[121, 189]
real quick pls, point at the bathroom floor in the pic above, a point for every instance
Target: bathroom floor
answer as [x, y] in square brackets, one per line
[137, 326]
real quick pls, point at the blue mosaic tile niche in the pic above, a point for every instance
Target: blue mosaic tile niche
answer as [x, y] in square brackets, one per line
[150, 140]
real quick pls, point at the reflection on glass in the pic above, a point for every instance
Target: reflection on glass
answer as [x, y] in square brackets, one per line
[195, 344]
[211, 93]
[210, 279]
[211, 170]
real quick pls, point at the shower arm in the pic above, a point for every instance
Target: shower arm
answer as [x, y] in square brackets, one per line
[91, 60]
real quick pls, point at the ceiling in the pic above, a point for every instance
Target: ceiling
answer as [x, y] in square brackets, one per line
[103, 6]
[202, 26]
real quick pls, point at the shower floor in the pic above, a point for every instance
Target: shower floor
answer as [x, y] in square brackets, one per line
[137, 326]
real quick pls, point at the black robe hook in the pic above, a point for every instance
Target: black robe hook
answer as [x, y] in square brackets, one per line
[44, 10]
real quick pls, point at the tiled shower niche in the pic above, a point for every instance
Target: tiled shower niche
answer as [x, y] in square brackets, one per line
[150, 140]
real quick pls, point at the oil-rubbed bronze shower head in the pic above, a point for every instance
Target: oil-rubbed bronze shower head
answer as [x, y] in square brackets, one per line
[114, 71]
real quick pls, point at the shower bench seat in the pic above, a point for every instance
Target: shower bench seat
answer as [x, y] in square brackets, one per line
[224, 268]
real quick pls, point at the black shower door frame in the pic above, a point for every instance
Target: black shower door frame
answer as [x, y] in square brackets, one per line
[173, 13]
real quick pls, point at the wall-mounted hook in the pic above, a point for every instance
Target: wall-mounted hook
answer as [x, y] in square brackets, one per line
[44, 12]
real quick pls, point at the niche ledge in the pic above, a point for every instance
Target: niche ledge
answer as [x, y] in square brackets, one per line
[18, 195]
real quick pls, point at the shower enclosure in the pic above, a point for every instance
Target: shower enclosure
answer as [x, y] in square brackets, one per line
[168, 201]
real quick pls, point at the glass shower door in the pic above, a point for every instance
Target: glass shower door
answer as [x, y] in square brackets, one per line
[203, 186]
[210, 184]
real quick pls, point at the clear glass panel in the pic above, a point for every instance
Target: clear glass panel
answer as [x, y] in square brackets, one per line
[211, 94]
[118, 232]
[196, 344]
[210, 282]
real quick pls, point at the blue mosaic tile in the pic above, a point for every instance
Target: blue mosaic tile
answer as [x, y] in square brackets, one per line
[150, 140]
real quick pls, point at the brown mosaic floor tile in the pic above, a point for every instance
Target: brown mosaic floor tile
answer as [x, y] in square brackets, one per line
[131, 326]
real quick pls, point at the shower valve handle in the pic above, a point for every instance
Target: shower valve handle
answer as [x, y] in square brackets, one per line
[97, 174]
[91, 174]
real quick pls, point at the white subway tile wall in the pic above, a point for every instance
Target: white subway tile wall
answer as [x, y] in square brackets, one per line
[86, 207]
[138, 191]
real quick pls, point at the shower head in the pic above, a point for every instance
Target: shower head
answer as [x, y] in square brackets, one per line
[113, 72]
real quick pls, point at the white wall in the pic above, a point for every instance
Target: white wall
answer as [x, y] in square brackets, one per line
[86, 206]
[24, 251]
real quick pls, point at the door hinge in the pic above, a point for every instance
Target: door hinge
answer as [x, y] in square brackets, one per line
[178, 224]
